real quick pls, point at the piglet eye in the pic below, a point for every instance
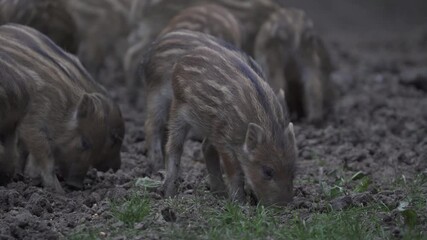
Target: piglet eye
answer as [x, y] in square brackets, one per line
[85, 144]
[268, 173]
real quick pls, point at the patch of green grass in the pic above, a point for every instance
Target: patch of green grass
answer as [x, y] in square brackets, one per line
[84, 235]
[352, 223]
[242, 222]
[201, 217]
[413, 205]
[133, 210]
[237, 222]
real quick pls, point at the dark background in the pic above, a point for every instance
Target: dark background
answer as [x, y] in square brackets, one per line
[370, 16]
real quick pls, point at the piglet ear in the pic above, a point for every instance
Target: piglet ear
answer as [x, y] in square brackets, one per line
[289, 133]
[86, 106]
[254, 136]
[290, 137]
[281, 97]
[282, 100]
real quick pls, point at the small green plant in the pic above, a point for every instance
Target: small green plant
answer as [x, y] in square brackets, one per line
[415, 202]
[132, 210]
[358, 183]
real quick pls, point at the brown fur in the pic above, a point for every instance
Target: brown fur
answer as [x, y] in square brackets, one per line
[211, 19]
[159, 62]
[222, 96]
[157, 18]
[250, 14]
[71, 122]
[103, 26]
[14, 98]
[48, 16]
[295, 59]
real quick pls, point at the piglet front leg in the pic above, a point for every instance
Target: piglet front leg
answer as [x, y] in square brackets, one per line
[214, 168]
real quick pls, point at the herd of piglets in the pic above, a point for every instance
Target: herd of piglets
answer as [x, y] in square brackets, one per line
[232, 73]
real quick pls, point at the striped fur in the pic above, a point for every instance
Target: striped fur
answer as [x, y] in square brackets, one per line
[14, 99]
[295, 59]
[50, 17]
[164, 52]
[71, 122]
[250, 13]
[211, 19]
[221, 94]
[157, 19]
[102, 26]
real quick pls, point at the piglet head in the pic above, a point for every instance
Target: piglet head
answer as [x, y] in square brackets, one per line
[95, 138]
[269, 165]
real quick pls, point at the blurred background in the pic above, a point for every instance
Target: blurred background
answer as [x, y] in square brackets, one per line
[369, 16]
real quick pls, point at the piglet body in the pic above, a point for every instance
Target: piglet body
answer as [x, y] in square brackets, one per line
[221, 94]
[71, 122]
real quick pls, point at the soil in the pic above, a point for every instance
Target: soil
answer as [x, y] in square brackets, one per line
[379, 127]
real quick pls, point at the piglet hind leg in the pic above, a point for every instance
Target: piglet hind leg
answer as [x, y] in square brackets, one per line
[178, 129]
[313, 100]
[155, 128]
[214, 169]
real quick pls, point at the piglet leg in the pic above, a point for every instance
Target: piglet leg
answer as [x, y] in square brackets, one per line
[235, 177]
[41, 159]
[178, 129]
[155, 128]
[214, 168]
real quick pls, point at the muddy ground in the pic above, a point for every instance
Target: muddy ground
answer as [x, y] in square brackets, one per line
[379, 128]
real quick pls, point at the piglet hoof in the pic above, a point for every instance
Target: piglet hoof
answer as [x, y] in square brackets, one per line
[238, 198]
[219, 190]
[52, 184]
[169, 188]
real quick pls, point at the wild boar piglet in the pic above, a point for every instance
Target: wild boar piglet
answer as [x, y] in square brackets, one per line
[159, 60]
[296, 60]
[50, 17]
[222, 96]
[211, 19]
[71, 122]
